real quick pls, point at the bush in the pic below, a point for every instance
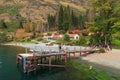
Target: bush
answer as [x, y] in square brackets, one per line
[49, 34]
[3, 37]
[66, 37]
[101, 50]
[39, 39]
[44, 41]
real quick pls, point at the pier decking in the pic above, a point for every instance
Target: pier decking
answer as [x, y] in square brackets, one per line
[50, 56]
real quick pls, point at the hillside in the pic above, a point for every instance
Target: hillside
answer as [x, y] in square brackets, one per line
[37, 10]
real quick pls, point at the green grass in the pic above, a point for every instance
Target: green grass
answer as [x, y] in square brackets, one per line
[11, 26]
[44, 41]
[71, 42]
[77, 71]
[11, 10]
[116, 43]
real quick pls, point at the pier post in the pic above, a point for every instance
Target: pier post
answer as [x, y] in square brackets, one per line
[74, 55]
[80, 53]
[41, 60]
[67, 53]
[65, 58]
[50, 59]
[55, 59]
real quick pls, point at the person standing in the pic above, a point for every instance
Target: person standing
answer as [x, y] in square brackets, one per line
[60, 47]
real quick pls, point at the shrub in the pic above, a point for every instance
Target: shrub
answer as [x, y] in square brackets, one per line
[3, 37]
[39, 39]
[49, 34]
[66, 37]
[101, 50]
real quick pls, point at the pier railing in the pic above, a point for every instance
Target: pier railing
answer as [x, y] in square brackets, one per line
[45, 55]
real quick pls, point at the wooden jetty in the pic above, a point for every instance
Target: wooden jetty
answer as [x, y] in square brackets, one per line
[47, 56]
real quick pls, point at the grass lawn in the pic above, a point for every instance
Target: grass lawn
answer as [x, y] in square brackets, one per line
[116, 43]
[77, 71]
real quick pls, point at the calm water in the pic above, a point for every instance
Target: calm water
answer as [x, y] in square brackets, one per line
[9, 70]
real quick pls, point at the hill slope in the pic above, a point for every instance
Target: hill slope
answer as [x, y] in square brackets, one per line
[37, 9]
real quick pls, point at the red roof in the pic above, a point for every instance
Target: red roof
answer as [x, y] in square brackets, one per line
[55, 36]
[72, 35]
[76, 31]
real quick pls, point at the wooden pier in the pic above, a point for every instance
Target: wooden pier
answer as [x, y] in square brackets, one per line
[52, 57]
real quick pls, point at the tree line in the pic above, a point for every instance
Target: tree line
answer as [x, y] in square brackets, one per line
[103, 21]
[66, 19]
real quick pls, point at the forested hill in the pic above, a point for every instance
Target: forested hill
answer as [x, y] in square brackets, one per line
[37, 10]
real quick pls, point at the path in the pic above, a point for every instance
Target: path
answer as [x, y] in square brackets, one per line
[111, 59]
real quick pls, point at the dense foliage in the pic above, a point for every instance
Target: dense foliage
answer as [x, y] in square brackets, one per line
[105, 18]
[66, 19]
[3, 37]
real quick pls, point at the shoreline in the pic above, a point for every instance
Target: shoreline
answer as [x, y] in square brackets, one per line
[19, 44]
[110, 59]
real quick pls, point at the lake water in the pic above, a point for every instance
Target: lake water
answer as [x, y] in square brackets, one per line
[9, 70]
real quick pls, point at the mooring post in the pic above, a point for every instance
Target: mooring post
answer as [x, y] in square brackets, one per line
[80, 50]
[55, 59]
[50, 60]
[17, 60]
[74, 55]
[74, 52]
[65, 58]
[67, 52]
[41, 60]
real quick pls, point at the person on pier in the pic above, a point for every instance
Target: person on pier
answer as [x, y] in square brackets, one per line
[60, 47]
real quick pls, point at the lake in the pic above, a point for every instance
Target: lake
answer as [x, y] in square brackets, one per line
[9, 70]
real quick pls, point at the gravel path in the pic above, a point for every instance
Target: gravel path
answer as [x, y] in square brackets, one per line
[111, 59]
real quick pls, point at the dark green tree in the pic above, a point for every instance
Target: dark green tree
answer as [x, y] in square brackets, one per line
[3, 37]
[104, 20]
[60, 18]
[3, 24]
[20, 20]
[51, 21]
[64, 19]
[66, 37]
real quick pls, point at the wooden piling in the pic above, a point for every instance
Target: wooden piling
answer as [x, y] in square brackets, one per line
[46, 60]
[74, 55]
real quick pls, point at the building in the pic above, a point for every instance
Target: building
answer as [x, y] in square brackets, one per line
[74, 36]
[61, 36]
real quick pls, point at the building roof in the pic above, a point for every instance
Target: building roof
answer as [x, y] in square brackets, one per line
[76, 31]
[47, 37]
[72, 35]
